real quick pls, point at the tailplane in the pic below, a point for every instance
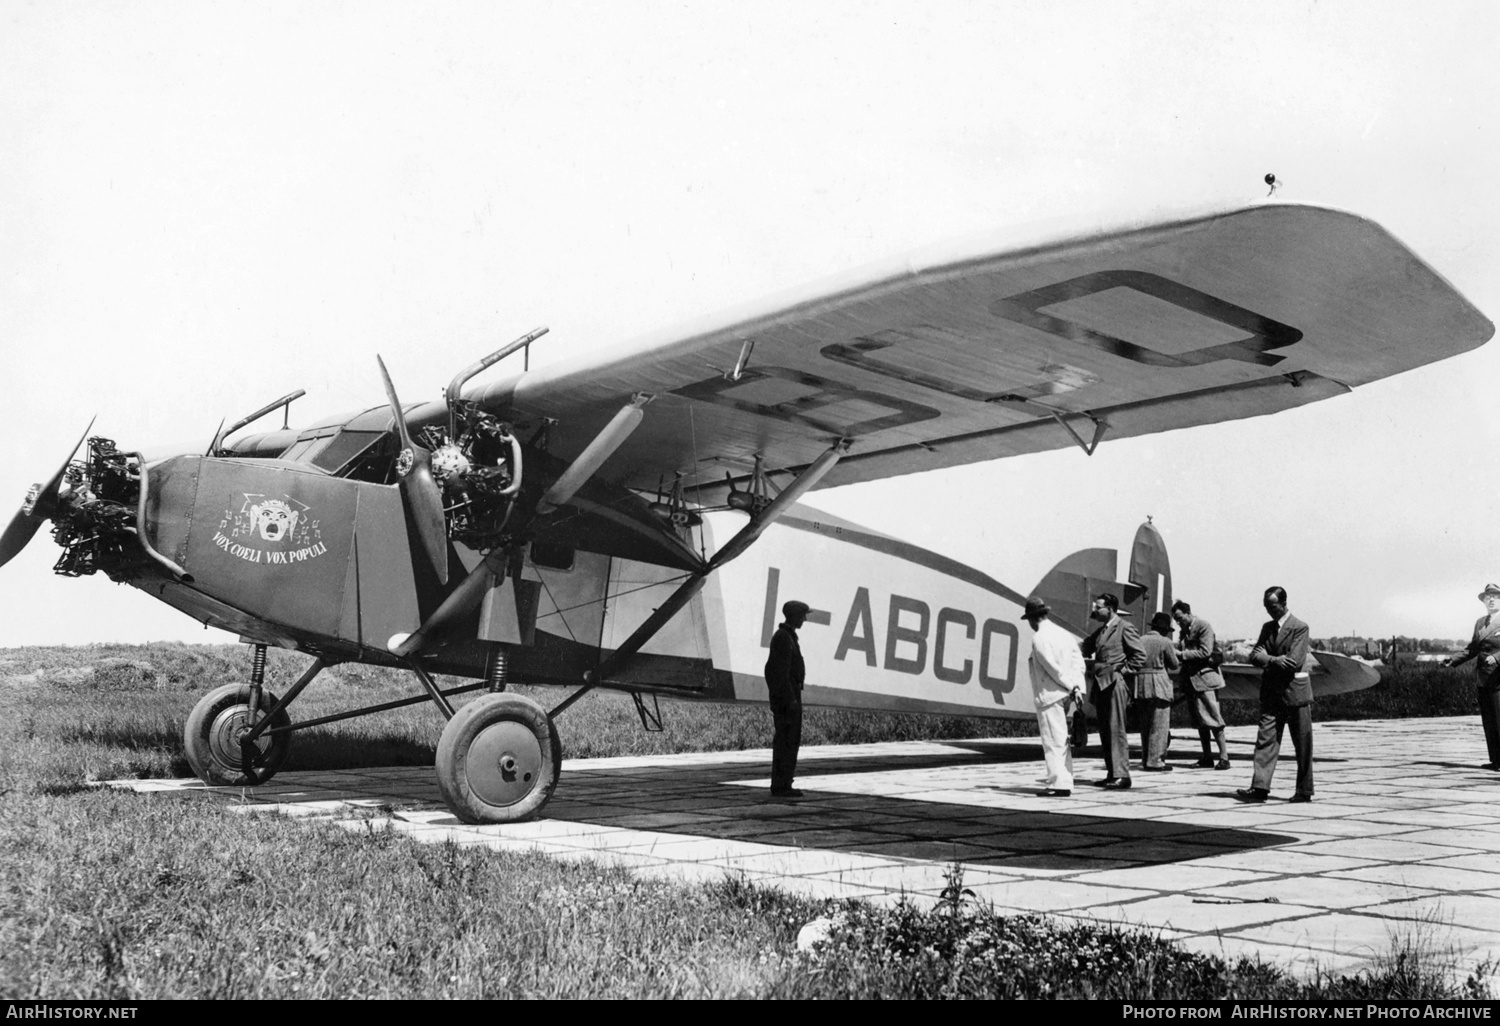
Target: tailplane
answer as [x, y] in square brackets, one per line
[1071, 586]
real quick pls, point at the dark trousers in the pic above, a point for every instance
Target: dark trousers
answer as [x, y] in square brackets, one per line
[1489, 715]
[1153, 720]
[1274, 715]
[786, 714]
[1111, 705]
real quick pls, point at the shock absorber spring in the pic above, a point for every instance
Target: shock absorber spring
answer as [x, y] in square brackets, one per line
[497, 666]
[257, 678]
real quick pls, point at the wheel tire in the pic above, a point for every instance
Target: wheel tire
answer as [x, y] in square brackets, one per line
[498, 760]
[211, 739]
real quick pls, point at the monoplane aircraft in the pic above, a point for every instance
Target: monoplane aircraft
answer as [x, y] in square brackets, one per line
[631, 520]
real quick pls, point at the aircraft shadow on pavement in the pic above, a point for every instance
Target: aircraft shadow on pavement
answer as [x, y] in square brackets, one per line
[708, 802]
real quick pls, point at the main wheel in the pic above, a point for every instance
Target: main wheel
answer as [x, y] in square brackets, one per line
[212, 739]
[498, 760]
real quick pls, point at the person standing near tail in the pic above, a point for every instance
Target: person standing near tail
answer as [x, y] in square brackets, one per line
[1057, 688]
[1115, 650]
[1201, 680]
[1484, 649]
[785, 673]
[1153, 693]
[1285, 699]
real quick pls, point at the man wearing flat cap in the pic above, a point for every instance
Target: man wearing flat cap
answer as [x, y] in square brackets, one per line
[785, 673]
[1484, 649]
[1057, 688]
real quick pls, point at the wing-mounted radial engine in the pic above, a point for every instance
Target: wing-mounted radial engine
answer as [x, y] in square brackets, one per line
[478, 468]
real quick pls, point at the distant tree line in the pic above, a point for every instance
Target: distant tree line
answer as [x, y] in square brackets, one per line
[1385, 648]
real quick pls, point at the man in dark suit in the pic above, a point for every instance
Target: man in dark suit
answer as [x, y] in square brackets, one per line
[1113, 651]
[785, 673]
[1285, 699]
[1484, 649]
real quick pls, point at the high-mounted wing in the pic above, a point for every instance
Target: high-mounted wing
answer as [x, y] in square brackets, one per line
[978, 352]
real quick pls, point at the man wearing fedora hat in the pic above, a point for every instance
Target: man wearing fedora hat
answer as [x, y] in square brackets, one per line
[1485, 650]
[785, 673]
[1057, 688]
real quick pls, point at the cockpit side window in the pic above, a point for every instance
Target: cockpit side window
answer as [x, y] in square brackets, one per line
[345, 449]
[307, 444]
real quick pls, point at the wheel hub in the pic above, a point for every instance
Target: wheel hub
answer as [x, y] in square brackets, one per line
[504, 763]
[224, 738]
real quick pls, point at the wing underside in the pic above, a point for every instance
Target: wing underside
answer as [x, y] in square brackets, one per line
[982, 352]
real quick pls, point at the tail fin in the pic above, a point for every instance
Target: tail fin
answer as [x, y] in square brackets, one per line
[1150, 572]
[1071, 586]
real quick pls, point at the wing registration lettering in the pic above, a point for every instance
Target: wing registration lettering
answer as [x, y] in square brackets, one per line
[1050, 379]
[796, 397]
[1039, 309]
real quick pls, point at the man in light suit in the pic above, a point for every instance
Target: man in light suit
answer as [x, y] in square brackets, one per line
[1113, 650]
[1285, 699]
[1485, 650]
[1057, 690]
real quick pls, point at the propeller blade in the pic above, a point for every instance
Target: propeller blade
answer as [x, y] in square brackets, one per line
[459, 601]
[390, 393]
[17, 534]
[423, 497]
[424, 501]
[23, 526]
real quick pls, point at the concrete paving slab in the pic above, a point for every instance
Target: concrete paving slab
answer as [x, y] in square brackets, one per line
[1171, 877]
[1396, 842]
[1195, 913]
[1425, 876]
[1322, 892]
[1369, 938]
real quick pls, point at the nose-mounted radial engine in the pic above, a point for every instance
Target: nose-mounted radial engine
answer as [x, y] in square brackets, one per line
[97, 509]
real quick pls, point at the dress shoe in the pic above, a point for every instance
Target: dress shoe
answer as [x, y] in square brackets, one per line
[1163, 768]
[1107, 782]
[1207, 762]
[786, 792]
[1300, 799]
[1221, 764]
[1118, 784]
[1054, 792]
[1252, 794]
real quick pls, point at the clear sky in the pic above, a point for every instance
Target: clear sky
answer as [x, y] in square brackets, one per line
[203, 207]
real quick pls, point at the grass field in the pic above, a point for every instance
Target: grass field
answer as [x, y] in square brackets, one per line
[113, 894]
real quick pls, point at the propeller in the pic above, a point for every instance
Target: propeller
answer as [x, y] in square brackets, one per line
[37, 508]
[423, 497]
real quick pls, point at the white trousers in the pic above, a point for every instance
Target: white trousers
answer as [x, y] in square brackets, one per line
[1052, 722]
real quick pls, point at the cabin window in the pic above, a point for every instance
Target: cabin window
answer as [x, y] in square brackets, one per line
[344, 448]
[299, 449]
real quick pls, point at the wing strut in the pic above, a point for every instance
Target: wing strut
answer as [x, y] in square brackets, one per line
[625, 421]
[736, 545]
[1100, 426]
